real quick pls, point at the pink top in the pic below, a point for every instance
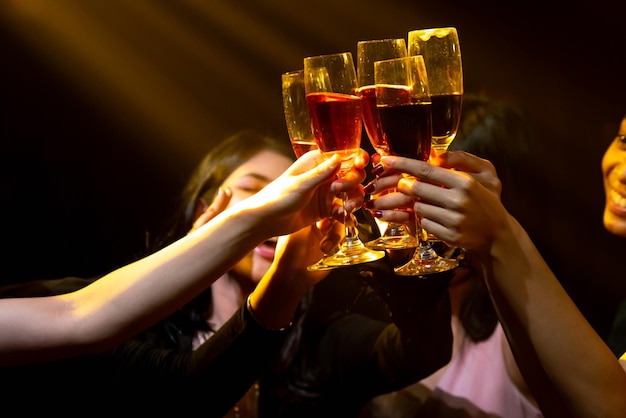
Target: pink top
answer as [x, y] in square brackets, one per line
[478, 372]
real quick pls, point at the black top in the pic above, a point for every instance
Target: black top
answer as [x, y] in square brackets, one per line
[366, 332]
[361, 332]
[138, 376]
[617, 337]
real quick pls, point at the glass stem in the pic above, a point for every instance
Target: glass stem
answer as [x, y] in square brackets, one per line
[394, 229]
[425, 249]
[351, 238]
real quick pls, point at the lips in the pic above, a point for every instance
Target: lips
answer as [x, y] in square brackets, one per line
[616, 195]
[267, 249]
[617, 201]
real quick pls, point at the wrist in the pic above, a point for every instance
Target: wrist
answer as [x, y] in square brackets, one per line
[265, 323]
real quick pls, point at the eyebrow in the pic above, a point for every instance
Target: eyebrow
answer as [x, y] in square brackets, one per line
[257, 176]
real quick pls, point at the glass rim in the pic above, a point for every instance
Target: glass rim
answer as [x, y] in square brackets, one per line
[292, 72]
[447, 28]
[337, 54]
[381, 40]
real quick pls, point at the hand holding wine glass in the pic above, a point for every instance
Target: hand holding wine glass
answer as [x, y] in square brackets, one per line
[396, 236]
[299, 122]
[404, 107]
[442, 55]
[441, 50]
[335, 110]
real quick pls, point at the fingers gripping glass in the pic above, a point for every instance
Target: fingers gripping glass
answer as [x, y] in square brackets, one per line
[404, 107]
[441, 50]
[395, 236]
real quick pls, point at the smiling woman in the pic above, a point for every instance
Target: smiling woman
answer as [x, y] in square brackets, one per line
[241, 164]
[614, 173]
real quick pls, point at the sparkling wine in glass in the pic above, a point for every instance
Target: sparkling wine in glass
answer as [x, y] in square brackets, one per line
[297, 113]
[336, 114]
[442, 54]
[441, 50]
[298, 120]
[405, 110]
[395, 236]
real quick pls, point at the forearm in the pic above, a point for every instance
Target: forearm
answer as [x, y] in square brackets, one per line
[549, 334]
[276, 298]
[143, 292]
[127, 300]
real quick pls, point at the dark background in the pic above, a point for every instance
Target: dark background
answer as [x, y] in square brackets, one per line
[106, 107]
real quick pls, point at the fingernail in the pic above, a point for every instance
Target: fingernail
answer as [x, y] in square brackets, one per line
[369, 188]
[377, 214]
[369, 204]
[378, 169]
[327, 247]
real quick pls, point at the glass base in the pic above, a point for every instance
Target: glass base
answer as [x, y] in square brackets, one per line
[350, 253]
[395, 237]
[391, 242]
[418, 267]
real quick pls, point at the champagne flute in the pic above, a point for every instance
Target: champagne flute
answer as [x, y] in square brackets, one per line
[441, 50]
[297, 113]
[442, 55]
[396, 236]
[336, 117]
[298, 121]
[404, 106]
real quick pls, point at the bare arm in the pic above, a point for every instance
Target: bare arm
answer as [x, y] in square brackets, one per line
[135, 296]
[548, 335]
[564, 362]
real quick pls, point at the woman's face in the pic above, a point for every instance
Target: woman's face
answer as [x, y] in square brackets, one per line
[246, 180]
[614, 174]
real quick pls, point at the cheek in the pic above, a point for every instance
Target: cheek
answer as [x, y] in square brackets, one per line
[610, 159]
[260, 266]
[614, 159]
[607, 163]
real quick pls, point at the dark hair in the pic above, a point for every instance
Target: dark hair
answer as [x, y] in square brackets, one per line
[209, 175]
[497, 131]
[501, 133]
[178, 330]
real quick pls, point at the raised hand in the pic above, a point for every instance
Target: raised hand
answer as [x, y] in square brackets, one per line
[458, 197]
[219, 203]
[303, 194]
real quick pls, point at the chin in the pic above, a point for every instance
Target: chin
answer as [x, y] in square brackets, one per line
[260, 266]
[615, 224]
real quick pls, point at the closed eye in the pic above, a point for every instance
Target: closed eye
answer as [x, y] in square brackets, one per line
[251, 183]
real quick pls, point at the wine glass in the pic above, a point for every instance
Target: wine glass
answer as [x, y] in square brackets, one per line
[396, 236]
[298, 121]
[297, 113]
[442, 55]
[336, 117]
[441, 50]
[404, 107]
